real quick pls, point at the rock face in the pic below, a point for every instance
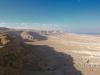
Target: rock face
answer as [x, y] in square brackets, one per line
[27, 36]
[31, 36]
[4, 39]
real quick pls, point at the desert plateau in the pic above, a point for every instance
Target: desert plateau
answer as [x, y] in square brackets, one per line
[25, 52]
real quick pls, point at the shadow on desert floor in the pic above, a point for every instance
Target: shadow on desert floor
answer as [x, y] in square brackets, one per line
[55, 63]
[24, 59]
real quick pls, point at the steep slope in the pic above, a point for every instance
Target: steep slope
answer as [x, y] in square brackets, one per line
[17, 57]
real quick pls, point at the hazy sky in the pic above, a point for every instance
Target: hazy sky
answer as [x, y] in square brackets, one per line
[72, 15]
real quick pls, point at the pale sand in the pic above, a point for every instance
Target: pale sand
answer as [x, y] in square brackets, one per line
[86, 53]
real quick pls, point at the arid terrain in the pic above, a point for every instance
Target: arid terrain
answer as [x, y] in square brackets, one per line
[27, 52]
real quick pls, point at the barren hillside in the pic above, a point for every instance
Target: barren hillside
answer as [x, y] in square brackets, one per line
[59, 54]
[20, 58]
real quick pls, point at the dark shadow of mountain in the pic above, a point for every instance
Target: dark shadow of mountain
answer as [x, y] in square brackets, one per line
[24, 59]
[56, 63]
[4, 29]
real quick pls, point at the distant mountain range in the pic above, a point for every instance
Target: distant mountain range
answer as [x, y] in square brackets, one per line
[4, 28]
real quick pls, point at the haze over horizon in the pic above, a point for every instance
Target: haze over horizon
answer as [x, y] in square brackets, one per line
[80, 16]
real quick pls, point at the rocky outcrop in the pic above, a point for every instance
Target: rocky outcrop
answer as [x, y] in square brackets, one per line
[4, 39]
[32, 36]
[27, 36]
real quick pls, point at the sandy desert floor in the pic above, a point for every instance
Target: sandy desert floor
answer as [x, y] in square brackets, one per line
[86, 54]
